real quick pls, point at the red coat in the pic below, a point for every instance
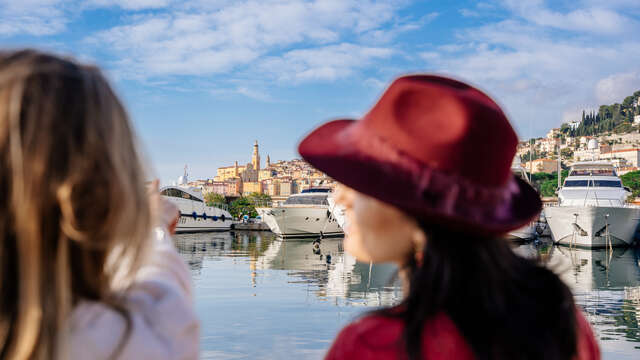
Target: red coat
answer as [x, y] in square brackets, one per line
[376, 337]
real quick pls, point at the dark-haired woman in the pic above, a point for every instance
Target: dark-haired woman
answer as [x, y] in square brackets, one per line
[427, 185]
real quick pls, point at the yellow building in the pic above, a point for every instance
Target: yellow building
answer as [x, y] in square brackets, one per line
[542, 165]
[251, 187]
[272, 188]
[265, 174]
[229, 172]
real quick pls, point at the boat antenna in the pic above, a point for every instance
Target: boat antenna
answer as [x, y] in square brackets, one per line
[559, 163]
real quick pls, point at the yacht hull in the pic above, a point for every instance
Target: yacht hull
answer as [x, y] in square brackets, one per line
[524, 233]
[300, 222]
[197, 217]
[187, 224]
[588, 228]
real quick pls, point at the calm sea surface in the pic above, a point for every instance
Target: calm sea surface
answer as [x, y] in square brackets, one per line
[262, 298]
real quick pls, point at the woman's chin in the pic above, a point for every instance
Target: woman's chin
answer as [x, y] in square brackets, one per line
[353, 246]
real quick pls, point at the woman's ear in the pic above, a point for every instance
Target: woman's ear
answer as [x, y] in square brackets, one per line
[419, 238]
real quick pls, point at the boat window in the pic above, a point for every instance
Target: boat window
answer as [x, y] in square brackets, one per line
[595, 172]
[606, 183]
[575, 183]
[307, 200]
[179, 194]
[315, 190]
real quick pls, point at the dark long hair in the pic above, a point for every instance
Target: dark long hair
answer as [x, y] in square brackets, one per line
[505, 306]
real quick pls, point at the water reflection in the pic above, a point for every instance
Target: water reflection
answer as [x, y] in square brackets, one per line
[606, 284]
[324, 265]
[305, 293]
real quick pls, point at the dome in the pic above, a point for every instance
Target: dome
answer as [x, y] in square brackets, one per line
[592, 144]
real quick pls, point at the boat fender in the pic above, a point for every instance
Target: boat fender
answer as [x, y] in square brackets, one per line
[204, 216]
[222, 217]
[215, 218]
[195, 216]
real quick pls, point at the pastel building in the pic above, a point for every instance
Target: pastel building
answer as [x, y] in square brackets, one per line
[251, 187]
[229, 172]
[541, 165]
[632, 155]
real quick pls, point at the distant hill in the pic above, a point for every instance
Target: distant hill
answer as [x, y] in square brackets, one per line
[616, 118]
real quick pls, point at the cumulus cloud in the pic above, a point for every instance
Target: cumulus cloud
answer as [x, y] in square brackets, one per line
[322, 63]
[541, 78]
[130, 4]
[616, 87]
[593, 18]
[207, 39]
[32, 17]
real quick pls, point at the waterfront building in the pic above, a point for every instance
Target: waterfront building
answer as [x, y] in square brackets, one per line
[271, 187]
[288, 187]
[632, 155]
[229, 172]
[230, 187]
[266, 174]
[541, 165]
[251, 187]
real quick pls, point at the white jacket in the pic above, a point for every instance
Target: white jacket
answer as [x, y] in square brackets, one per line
[160, 304]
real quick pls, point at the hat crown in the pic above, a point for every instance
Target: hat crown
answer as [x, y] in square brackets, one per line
[448, 126]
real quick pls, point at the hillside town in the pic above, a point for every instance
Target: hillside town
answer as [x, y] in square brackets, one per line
[611, 135]
[276, 179]
[623, 150]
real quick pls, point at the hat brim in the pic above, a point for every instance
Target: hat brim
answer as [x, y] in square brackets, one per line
[340, 149]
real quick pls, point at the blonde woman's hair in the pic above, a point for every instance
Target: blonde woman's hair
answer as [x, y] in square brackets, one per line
[73, 203]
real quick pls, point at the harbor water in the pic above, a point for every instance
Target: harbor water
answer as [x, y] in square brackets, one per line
[262, 298]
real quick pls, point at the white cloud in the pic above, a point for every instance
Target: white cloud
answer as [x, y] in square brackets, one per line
[616, 87]
[594, 19]
[32, 17]
[198, 39]
[540, 78]
[130, 4]
[323, 63]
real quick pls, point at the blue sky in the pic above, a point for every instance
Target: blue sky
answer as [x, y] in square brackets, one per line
[204, 79]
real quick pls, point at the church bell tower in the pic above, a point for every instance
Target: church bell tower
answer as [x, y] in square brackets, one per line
[255, 158]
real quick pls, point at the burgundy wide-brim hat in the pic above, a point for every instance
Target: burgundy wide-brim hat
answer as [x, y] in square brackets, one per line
[434, 147]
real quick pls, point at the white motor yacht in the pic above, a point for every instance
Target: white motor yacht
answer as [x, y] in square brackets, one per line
[195, 215]
[592, 210]
[302, 215]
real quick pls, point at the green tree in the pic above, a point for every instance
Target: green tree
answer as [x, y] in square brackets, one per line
[242, 206]
[546, 183]
[246, 205]
[632, 181]
[566, 153]
[211, 199]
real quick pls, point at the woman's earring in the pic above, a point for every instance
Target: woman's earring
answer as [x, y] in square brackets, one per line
[418, 256]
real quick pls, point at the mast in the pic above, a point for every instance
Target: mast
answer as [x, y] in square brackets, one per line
[531, 151]
[559, 165]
